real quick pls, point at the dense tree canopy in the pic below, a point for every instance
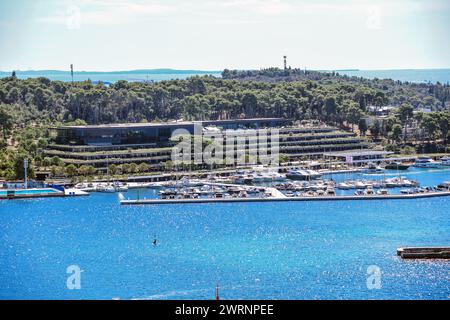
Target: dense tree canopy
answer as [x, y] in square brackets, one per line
[28, 107]
[327, 97]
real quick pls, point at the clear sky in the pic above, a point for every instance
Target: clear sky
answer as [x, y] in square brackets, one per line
[106, 35]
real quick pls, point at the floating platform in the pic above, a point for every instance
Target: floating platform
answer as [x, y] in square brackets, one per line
[275, 199]
[39, 193]
[424, 252]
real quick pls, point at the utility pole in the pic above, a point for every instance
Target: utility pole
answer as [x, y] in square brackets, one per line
[25, 166]
[285, 63]
[71, 72]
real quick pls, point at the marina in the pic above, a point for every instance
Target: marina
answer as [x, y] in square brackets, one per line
[314, 187]
[262, 174]
[230, 240]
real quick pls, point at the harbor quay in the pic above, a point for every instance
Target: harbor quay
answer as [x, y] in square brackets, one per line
[284, 198]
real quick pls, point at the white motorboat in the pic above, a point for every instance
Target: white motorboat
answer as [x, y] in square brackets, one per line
[302, 174]
[330, 191]
[278, 176]
[408, 183]
[445, 161]
[120, 187]
[258, 178]
[382, 192]
[372, 168]
[105, 188]
[360, 185]
[345, 186]
[426, 162]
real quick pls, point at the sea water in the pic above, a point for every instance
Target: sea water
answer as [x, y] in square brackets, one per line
[279, 250]
[411, 75]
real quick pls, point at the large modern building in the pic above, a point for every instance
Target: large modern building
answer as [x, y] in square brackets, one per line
[119, 134]
[151, 143]
[149, 133]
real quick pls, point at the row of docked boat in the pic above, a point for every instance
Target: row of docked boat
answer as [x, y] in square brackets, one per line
[209, 191]
[250, 177]
[303, 174]
[369, 191]
[107, 187]
[427, 162]
[444, 186]
[328, 192]
[420, 162]
[314, 185]
[395, 182]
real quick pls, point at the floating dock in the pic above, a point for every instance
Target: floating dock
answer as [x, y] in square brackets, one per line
[274, 199]
[40, 193]
[424, 252]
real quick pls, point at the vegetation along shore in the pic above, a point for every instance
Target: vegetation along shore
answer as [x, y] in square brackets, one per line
[403, 117]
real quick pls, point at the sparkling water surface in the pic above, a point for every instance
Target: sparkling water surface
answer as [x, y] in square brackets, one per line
[278, 250]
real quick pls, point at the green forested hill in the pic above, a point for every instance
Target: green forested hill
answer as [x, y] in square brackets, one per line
[28, 107]
[264, 93]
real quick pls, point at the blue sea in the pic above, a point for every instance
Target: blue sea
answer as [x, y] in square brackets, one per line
[289, 250]
[111, 77]
[411, 75]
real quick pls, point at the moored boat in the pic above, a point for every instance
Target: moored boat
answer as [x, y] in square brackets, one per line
[445, 161]
[302, 174]
[105, 188]
[397, 166]
[382, 192]
[372, 168]
[345, 186]
[330, 191]
[426, 162]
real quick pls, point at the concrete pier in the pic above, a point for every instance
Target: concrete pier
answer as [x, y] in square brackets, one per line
[424, 252]
[274, 199]
[11, 194]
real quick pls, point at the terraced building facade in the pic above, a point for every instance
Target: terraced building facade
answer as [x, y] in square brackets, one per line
[151, 143]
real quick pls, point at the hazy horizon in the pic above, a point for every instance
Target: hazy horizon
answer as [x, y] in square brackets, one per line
[206, 71]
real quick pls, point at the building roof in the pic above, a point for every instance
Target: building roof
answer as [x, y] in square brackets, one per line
[359, 153]
[129, 125]
[171, 123]
[242, 120]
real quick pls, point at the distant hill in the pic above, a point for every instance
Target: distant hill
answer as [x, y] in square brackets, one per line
[111, 76]
[138, 71]
[281, 75]
[266, 75]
